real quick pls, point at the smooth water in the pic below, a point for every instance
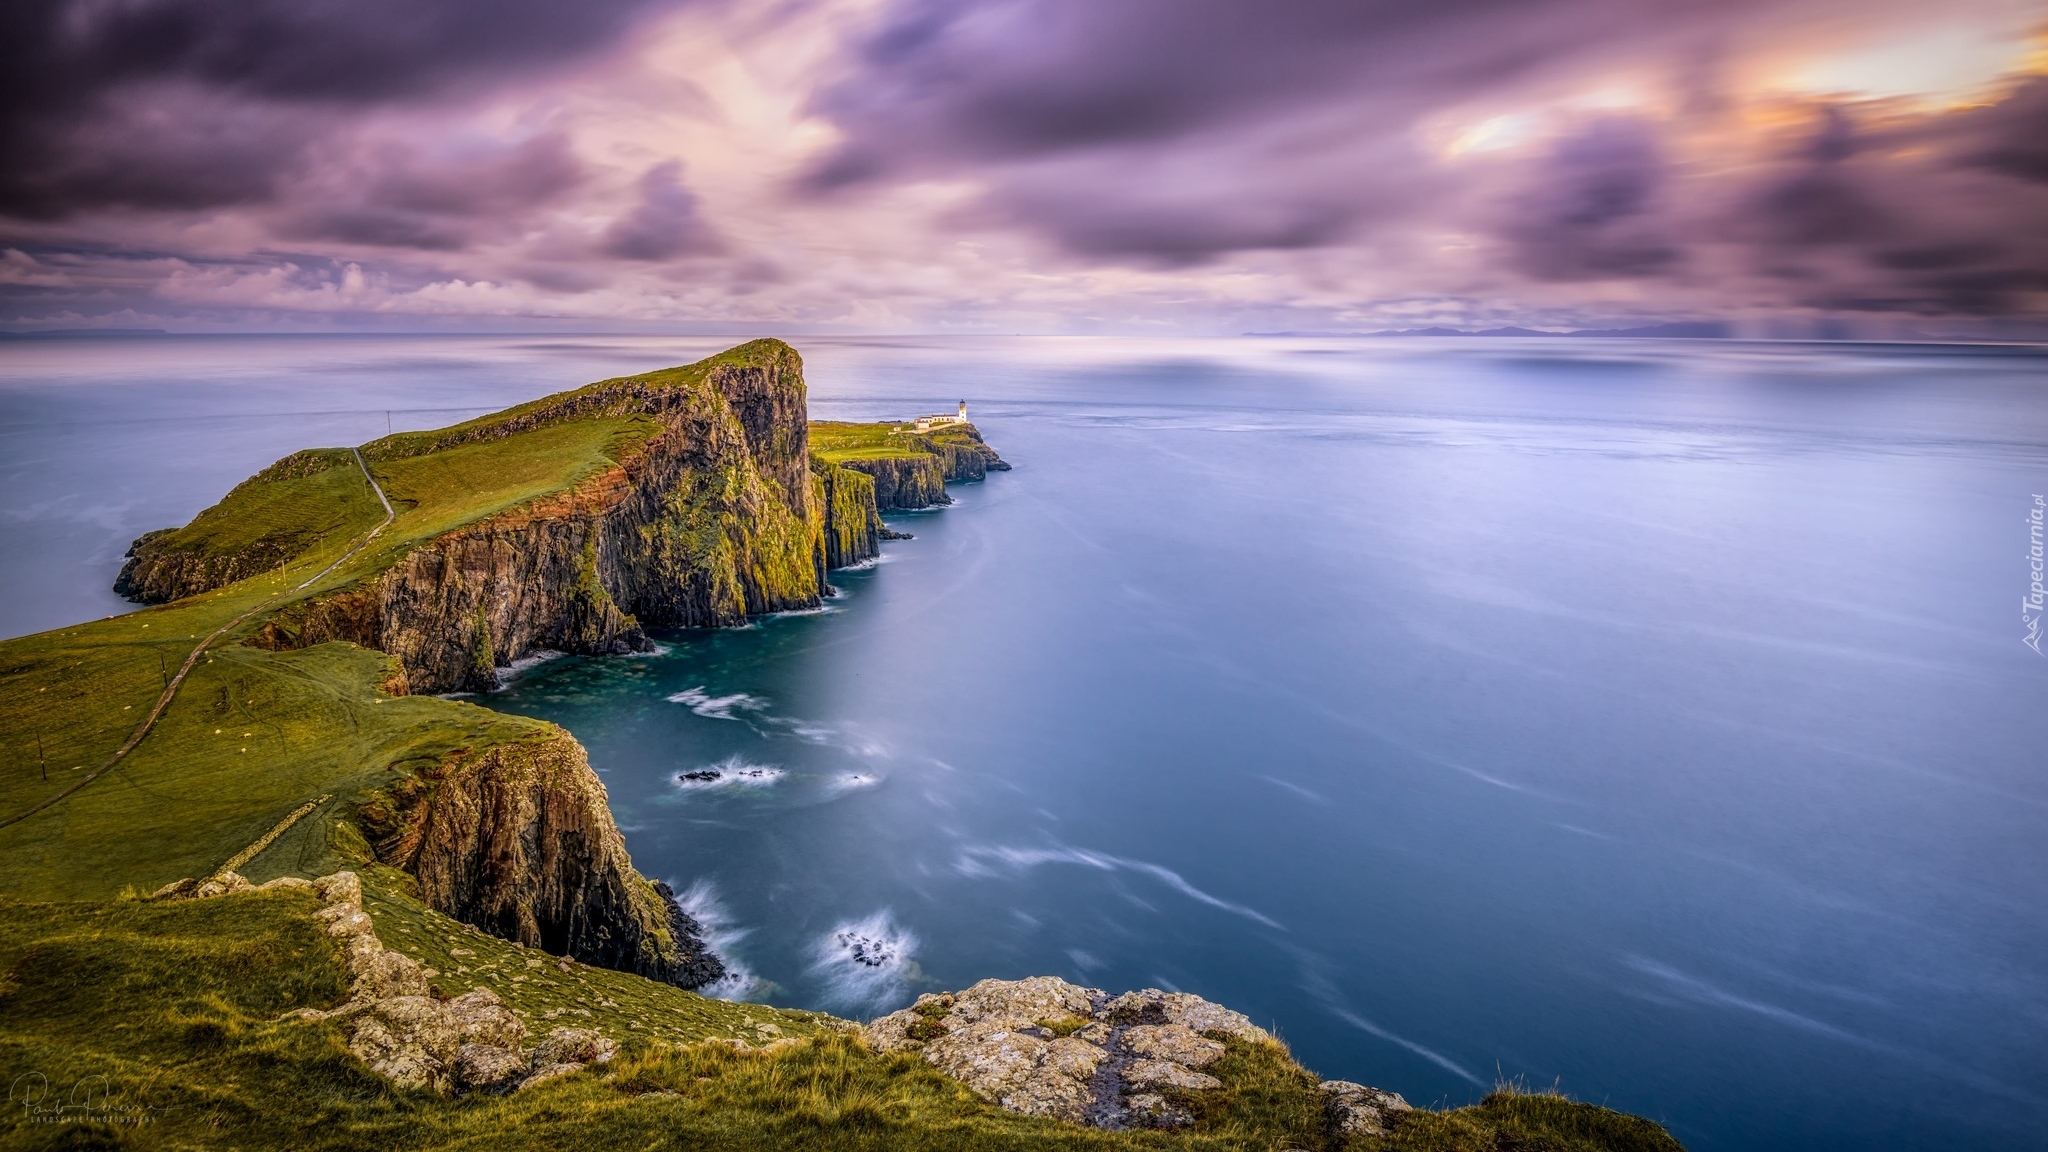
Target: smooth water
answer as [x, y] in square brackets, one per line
[1647, 718]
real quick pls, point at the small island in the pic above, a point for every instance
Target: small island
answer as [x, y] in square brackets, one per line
[261, 857]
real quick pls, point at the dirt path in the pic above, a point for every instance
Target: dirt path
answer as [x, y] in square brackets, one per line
[171, 689]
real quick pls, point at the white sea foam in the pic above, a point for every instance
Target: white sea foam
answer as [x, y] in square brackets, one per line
[700, 902]
[852, 782]
[975, 860]
[717, 707]
[865, 963]
[734, 771]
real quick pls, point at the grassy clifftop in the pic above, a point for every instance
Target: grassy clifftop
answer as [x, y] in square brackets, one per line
[173, 1026]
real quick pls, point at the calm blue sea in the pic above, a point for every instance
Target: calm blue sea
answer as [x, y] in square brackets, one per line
[1646, 718]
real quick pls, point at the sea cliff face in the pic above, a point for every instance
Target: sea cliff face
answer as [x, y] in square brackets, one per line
[518, 839]
[849, 522]
[714, 517]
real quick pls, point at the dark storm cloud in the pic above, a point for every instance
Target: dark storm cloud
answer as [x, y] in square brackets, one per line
[946, 85]
[665, 223]
[184, 103]
[1592, 212]
[399, 195]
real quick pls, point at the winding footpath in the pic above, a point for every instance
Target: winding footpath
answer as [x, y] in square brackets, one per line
[170, 690]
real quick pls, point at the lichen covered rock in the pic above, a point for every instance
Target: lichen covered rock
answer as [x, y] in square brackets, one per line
[1044, 1047]
[1356, 1110]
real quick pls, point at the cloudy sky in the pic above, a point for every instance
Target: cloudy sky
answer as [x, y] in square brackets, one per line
[1147, 166]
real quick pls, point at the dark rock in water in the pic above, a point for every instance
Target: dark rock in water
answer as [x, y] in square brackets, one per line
[867, 950]
[892, 534]
[702, 774]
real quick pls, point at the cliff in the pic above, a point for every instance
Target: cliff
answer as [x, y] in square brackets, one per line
[682, 498]
[685, 497]
[518, 839]
[849, 520]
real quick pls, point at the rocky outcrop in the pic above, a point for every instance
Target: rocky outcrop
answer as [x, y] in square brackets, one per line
[1356, 1110]
[402, 1026]
[1045, 1047]
[518, 840]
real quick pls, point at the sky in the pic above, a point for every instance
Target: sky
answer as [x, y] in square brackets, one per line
[1200, 167]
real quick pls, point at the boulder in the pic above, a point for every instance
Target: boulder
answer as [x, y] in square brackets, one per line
[488, 1068]
[340, 888]
[1356, 1110]
[479, 1017]
[573, 1046]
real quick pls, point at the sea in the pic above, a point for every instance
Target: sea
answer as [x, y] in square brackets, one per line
[1651, 720]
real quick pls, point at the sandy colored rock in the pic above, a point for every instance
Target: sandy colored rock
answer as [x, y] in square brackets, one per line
[284, 882]
[1356, 1110]
[340, 888]
[384, 974]
[1175, 1042]
[1150, 1005]
[1157, 1074]
[1020, 1072]
[1116, 1069]
[574, 1046]
[479, 1017]
[225, 884]
[550, 1072]
[487, 1068]
[1151, 1110]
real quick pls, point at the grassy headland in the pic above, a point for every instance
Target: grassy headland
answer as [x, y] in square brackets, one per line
[186, 1008]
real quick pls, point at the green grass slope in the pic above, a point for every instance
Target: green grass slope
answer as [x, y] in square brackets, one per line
[174, 1026]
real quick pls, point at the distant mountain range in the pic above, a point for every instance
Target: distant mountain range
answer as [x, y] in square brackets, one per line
[1690, 330]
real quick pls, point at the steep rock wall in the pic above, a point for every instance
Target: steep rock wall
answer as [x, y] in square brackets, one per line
[708, 522]
[903, 483]
[850, 524]
[518, 840]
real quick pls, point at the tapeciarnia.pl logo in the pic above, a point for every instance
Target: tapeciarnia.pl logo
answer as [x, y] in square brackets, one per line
[2033, 604]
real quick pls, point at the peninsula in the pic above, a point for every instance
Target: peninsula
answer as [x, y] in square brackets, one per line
[264, 881]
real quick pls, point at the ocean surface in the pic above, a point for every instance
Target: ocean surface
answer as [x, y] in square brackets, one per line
[1650, 719]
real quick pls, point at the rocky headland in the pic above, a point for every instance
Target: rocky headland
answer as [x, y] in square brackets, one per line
[689, 497]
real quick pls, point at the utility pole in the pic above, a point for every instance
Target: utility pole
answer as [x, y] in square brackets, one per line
[387, 421]
[42, 759]
[165, 669]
